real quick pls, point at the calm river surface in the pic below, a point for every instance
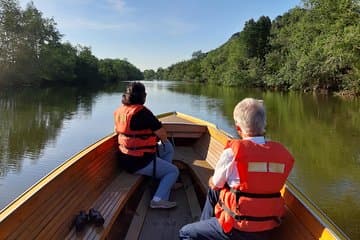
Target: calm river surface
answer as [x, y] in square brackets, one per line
[40, 129]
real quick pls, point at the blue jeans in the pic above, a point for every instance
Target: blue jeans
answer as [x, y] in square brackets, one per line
[212, 198]
[209, 228]
[165, 170]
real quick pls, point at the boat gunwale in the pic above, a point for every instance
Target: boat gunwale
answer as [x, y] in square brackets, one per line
[315, 211]
[11, 207]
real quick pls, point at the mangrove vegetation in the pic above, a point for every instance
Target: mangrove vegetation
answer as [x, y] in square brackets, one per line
[32, 53]
[312, 47]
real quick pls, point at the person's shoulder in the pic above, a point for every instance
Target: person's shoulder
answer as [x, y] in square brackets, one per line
[280, 148]
[146, 118]
[146, 111]
[228, 152]
[143, 112]
[275, 144]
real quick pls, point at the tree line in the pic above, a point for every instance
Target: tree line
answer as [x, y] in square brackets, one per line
[31, 53]
[313, 47]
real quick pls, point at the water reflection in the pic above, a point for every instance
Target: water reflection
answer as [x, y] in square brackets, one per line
[31, 118]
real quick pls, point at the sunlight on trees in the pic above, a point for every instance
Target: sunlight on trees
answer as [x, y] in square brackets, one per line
[31, 53]
[315, 47]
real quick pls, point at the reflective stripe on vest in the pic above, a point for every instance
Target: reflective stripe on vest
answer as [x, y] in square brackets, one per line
[266, 167]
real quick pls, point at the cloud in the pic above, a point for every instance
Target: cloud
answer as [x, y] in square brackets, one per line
[81, 23]
[118, 5]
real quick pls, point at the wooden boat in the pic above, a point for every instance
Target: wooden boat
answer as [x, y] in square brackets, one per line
[92, 179]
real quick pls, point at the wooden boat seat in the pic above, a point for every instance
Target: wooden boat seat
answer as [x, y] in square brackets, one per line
[109, 204]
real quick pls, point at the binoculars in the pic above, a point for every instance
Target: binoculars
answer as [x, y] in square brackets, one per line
[95, 217]
[82, 219]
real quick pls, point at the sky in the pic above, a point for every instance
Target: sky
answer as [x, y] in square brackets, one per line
[154, 33]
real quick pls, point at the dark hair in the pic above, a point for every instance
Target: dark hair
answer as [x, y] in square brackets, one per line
[134, 94]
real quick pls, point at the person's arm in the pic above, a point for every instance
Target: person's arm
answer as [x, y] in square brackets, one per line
[219, 178]
[161, 134]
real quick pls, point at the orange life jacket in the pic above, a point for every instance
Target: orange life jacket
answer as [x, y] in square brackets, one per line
[256, 203]
[133, 142]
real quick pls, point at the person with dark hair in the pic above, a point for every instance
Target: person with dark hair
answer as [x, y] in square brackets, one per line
[140, 152]
[244, 200]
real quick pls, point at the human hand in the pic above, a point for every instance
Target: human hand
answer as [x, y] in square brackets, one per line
[211, 184]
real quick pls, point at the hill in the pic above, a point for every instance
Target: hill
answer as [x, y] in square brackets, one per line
[315, 47]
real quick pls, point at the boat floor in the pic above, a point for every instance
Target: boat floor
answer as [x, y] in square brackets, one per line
[165, 224]
[148, 223]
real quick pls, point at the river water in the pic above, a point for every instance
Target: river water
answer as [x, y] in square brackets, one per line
[41, 128]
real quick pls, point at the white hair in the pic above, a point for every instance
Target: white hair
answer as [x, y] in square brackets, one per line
[249, 115]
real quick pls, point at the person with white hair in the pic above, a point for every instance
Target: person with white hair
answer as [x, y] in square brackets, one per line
[244, 200]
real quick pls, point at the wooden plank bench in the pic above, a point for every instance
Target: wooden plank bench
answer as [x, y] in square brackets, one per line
[109, 204]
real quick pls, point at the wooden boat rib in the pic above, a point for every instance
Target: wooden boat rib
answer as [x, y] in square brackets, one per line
[92, 178]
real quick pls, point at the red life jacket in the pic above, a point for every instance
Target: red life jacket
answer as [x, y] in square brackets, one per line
[133, 142]
[256, 203]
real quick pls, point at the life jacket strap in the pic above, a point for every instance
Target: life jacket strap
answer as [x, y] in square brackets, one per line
[239, 194]
[248, 218]
[139, 148]
[141, 136]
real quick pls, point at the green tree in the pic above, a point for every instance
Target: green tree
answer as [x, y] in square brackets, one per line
[31, 52]
[107, 71]
[10, 28]
[23, 33]
[114, 70]
[198, 54]
[58, 64]
[86, 68]
[255, 36]
[149, 74]
[316, 47]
